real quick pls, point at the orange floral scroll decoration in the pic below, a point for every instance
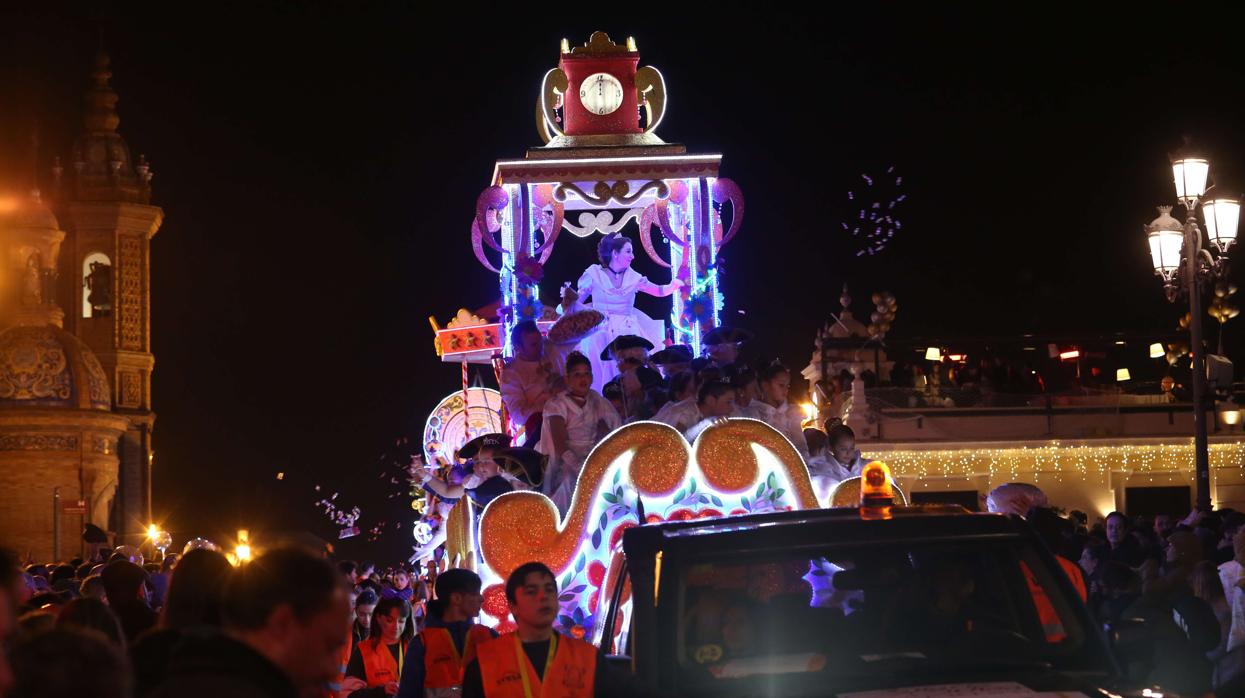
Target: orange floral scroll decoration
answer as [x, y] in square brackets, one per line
[523, 526]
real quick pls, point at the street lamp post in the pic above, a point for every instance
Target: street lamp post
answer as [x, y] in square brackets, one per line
[1181, 261]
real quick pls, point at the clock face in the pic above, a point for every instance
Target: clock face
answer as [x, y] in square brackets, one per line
[601, 93]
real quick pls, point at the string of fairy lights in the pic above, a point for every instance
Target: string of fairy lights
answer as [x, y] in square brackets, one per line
[1056, 461]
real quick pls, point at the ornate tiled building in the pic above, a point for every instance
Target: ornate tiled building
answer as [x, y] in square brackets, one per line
[75, 348]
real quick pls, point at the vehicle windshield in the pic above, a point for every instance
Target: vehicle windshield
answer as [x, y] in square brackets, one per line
[882, 609]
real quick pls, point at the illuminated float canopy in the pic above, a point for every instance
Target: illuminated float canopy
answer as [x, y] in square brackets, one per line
[602, 170]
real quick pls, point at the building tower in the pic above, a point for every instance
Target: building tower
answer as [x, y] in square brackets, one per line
[58, 434]
[105, 282]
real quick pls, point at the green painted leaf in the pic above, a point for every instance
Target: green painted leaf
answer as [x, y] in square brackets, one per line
[617, 475]
[760, 490]
[717, 501]
[781, 492]
[693, 488]
[772, 481]
[610, 497]
[678, 496]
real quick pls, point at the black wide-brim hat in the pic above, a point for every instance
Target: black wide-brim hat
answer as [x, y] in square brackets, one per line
[727, 335]
[527, 463]
[625, 341]
[472, 447]
[93, 534]
[676, 354]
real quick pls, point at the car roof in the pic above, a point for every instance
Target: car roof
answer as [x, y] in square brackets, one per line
[822, 526]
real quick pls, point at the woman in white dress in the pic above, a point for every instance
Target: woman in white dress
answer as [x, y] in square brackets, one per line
[612, 285]
[575, 420]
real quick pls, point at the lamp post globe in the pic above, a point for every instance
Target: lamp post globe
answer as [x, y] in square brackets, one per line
[1190, 174]
[1222, 214]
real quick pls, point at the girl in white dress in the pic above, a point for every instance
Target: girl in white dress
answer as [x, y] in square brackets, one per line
[612, 285]
[774, 409]
[575, 420]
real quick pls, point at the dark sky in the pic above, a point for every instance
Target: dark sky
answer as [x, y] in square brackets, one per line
[318, 169]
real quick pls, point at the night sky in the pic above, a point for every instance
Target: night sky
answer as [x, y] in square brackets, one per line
[318, 169]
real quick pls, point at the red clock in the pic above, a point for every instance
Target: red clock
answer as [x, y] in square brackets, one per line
[601, 95]
[600, 89]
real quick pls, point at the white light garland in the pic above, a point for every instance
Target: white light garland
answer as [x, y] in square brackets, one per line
[1054, 459]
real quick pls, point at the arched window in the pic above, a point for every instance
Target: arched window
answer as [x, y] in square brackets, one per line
[96, 285]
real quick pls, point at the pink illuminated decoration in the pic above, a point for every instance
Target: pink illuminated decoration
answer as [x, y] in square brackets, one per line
[642, 473]
[725, 190]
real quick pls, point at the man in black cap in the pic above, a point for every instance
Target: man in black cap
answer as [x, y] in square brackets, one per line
[125, 585]
[638, 385]
[673, 359]
[627, 351]
[722, 344]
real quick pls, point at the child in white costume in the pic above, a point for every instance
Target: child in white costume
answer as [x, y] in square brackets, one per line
[575, 421]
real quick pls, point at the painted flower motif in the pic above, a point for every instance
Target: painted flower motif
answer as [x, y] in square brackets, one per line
[596, 573]
[698, 308]
[577, 624]
[528, 307]
[529, 271]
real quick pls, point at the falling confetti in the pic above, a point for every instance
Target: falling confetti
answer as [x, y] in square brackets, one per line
[876, 220]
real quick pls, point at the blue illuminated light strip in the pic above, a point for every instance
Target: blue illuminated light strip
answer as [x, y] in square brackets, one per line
[676, 308]
[509, 284]
[693, 234]
[713, 254]
[533, 220]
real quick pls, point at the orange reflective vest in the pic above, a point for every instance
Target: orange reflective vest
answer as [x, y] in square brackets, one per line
[506, 672]
[443, 667]
[1052, 627]
[1074, 573]
[343, 661]
[378, 662]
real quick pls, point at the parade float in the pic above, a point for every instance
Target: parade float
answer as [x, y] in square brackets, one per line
[602, 170]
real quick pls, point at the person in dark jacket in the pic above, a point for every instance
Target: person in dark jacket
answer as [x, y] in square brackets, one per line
[451, 615]
[69, 662]
[125, 585]
[286, 617]
[195, 600]
[92, 614]
[1184, 627]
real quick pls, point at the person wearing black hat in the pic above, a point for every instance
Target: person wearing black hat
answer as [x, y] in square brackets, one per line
[483, 479]
[612, 285]
[673, 360]
[125, 585]
[627, 350]
[639, 386]
[722, 344]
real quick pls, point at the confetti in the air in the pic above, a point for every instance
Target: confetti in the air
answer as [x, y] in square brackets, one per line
[876, 221]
